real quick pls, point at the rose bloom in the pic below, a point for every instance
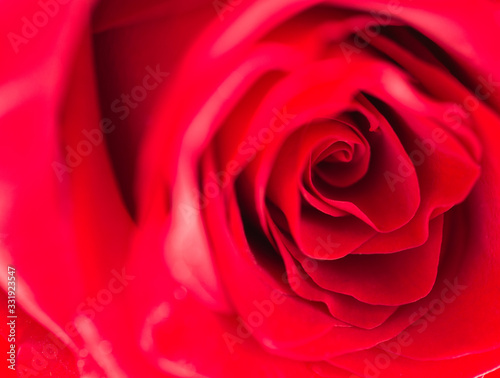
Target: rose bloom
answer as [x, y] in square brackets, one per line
[250, 188]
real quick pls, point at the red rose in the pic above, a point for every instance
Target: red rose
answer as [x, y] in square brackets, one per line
[252, 188]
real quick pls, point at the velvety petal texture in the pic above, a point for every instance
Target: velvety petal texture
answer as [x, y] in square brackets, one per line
[250, 188]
